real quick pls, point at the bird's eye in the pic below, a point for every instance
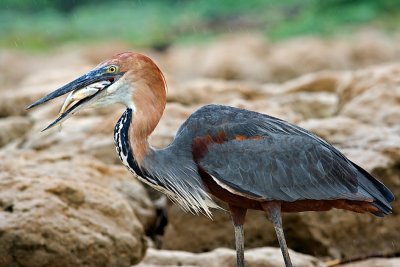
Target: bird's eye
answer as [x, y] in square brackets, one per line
[112, 69]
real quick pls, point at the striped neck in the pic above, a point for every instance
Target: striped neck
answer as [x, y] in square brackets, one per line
[121, 140]
[182, 185]
[124, 150]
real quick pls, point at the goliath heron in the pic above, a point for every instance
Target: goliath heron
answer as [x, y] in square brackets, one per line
[246, 159]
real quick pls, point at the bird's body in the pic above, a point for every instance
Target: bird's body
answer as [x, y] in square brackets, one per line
[246, 159]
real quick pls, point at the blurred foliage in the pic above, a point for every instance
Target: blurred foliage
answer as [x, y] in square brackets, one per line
[157, 23]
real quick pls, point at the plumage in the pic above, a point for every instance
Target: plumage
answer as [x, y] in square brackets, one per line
[247, 159]
[288, 163]
[169, 170]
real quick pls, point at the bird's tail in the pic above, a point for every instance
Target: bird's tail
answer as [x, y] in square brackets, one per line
[378, 191]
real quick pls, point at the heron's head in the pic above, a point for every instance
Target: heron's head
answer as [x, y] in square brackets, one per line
[131, 79]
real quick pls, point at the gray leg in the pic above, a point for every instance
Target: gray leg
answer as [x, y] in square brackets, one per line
[274, 215]
[239, 241]
[238, 215]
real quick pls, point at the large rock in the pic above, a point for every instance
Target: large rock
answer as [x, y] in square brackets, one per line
[206, 91]
[372, 95]
[308, 104]
[376, 262]
[12, 128]
[216, 60]
[33, 82]
[206, 234]
[63, 210]
[259, 257]
[78, 135]
[266, 98]
[334, 233]
[252, 57]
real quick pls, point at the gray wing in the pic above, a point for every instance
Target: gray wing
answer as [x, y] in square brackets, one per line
[287, 168]
[274, 159]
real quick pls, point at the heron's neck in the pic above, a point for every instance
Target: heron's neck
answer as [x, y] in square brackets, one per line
[125, 149]
[133, 129]
[131, 151]
[158, 171]
[149, 100]
[143, 123]
[121, 140]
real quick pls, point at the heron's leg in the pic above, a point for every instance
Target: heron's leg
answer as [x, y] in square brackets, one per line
[238, 215]
[273, 209]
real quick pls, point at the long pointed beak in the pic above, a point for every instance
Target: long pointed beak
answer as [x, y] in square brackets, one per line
[83, 81]
[77, 100]
[83, 92]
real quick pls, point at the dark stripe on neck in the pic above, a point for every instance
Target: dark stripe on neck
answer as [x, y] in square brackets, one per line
[121, 140]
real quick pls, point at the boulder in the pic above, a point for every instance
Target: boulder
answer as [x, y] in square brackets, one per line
[265, 98]
[206, 91]
[258, 257]
[189, 232]
[371, 95]
[215, 60]
[335, 233]
[14, 103]
[12, 128]
[375, 262]
[76, 136]
[34, 82]
[251, 57]
[308, 104]
[63, 210]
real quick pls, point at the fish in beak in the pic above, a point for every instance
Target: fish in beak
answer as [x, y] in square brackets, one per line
[83, 92]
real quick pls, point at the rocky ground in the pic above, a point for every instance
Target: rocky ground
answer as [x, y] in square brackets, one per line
[65, 199]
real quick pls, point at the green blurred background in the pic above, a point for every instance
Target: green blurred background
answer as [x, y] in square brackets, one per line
[45, 24]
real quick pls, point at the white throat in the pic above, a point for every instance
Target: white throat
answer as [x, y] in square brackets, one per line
[118, 92]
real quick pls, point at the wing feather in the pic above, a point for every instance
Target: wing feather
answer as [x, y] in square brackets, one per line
[279, 160]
